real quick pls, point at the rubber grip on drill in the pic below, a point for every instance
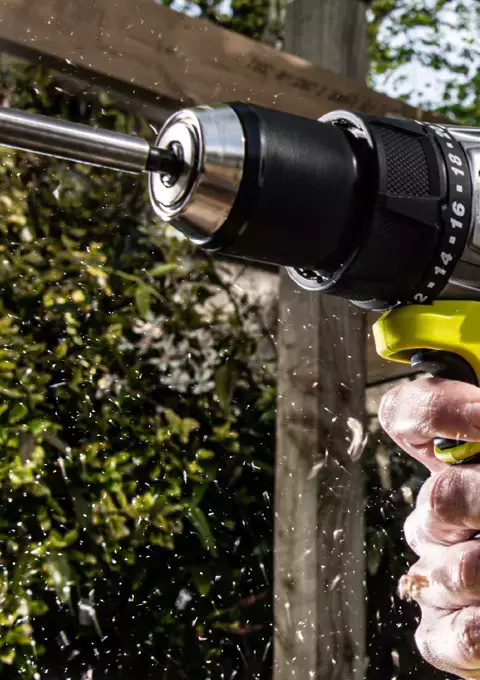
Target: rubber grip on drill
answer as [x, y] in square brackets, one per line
[450, 366]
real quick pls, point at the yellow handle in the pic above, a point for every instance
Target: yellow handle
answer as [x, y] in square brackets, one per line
[448, 325]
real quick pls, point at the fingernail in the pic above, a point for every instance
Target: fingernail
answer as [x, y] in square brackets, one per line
[472, 634]
[470, 578]
[473, 414]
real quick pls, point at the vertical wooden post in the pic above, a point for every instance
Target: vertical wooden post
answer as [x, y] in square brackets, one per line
[319, 534]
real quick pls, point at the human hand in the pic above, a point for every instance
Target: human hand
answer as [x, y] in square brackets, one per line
[446, 579]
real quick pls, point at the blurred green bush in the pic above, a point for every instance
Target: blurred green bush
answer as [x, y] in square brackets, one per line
[136, 426]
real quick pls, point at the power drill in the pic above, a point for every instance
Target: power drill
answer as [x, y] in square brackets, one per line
[382, 211]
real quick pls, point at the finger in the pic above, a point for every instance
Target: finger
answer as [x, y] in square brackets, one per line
[415, 413]
[450, 579]
[447, 510]
[450, 641]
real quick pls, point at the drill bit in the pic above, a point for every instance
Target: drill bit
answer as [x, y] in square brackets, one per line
[83, 144]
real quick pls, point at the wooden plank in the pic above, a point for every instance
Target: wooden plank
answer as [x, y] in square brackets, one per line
[150, 48]
[319, 534]
[318, 498]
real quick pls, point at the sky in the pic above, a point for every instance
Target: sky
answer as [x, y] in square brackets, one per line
[427, 84]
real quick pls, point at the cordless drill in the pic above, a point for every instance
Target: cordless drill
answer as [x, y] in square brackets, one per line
[382, 211]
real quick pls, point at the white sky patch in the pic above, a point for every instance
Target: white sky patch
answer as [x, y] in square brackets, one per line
[426, 85]
[184, 6]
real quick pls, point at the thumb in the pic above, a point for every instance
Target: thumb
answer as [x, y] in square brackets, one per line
[413, 414]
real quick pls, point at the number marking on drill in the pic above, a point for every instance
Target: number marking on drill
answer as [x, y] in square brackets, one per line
[446, 258]
[441, 132]
[456, 160]
[456, 216]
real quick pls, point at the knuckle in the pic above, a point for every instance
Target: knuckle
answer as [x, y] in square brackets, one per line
[423, 640]
[411, 530]
[446, 496]
[468, 639]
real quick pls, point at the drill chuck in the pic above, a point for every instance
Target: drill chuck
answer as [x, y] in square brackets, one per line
[211, 146]
[264, 185]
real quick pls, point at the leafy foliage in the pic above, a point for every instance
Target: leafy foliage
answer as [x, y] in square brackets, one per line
[135, 426]
[436, 40]
[248, 17]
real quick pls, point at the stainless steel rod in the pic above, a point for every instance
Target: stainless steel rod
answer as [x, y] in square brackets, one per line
[72, 141]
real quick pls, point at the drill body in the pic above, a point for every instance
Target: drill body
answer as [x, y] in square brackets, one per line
[384, 212]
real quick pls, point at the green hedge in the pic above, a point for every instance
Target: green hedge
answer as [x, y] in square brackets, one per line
[136, 426]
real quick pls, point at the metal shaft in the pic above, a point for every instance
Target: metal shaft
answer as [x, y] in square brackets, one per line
[73, 142]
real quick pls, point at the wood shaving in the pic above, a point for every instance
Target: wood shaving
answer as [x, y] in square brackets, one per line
[410, 586]
[358, 441]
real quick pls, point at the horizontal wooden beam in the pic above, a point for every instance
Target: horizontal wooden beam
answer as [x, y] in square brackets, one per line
[153, 49]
